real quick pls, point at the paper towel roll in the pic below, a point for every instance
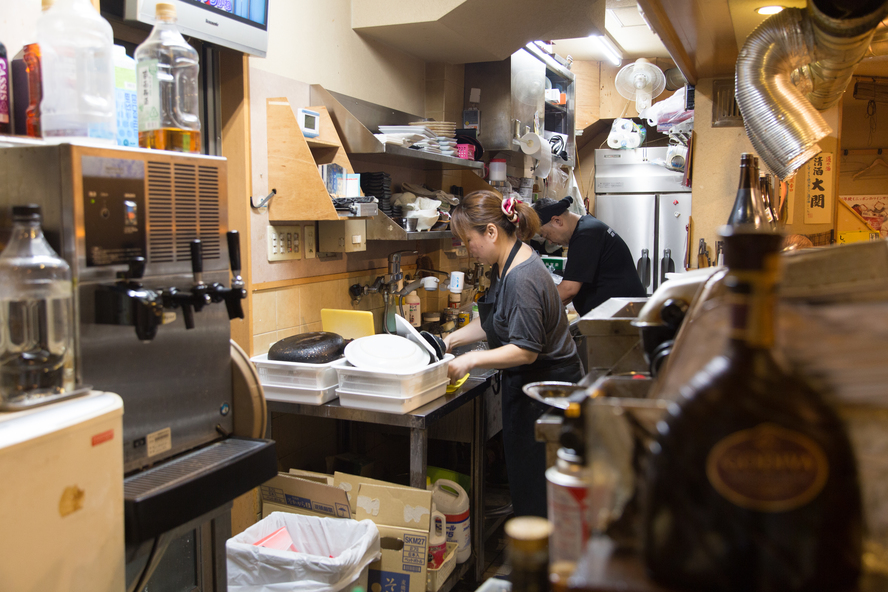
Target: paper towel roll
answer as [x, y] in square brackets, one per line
[534, 145]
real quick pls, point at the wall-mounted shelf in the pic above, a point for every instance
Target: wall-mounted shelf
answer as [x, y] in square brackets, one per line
[356, 121]
[293, 163]
[384, 228]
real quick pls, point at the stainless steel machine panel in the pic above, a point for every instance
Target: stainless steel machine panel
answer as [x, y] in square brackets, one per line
[632, 171]
[102, 207]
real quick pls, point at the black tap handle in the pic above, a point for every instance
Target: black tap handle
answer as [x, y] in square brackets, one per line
[136, 268]
[196, 256]
[234, 251]
[188, 315]
[233, 303]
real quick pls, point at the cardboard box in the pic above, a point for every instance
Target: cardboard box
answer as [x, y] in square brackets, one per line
[287, 493]
[350, 484]
[312, 476]
[402, 516]
[554, 264]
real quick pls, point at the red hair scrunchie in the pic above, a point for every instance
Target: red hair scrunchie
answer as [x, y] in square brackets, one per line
[508, 208]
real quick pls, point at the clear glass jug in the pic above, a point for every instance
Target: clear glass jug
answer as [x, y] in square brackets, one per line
[36, 316]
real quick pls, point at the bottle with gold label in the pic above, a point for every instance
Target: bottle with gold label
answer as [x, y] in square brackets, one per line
[752, 483]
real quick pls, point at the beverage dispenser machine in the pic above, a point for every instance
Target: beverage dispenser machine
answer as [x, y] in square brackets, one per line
[145, 234]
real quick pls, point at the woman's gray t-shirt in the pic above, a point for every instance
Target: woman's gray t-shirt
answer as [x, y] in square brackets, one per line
[529, 314]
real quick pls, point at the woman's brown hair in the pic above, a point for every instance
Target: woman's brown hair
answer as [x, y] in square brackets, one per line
[480, 208]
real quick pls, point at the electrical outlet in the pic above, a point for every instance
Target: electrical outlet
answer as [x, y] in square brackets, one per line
[308, 235]
[284, 243]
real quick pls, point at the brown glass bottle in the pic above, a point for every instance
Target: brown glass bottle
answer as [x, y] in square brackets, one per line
[527, 550]
[752, 484]
[747, 209]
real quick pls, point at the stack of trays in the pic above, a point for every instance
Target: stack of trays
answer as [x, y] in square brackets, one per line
[446, 129]
[391, 392]
[298, 382]
[380, 186]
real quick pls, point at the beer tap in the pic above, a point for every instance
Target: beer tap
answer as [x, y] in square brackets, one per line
[232, 296]
[197, 297]
[128, 303]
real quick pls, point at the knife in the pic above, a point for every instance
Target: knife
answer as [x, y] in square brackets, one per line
[703, 255]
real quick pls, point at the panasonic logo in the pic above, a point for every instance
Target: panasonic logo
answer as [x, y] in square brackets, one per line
[209, 22]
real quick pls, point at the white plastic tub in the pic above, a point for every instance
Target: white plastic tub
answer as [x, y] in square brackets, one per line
[391, 404]
[393, 384]
[292, 394]
[297, 374]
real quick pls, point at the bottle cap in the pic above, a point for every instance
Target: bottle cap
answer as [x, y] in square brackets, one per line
[165, 10]
[28, 212]
[528, 533]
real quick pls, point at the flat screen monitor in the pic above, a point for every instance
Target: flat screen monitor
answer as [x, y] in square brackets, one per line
[237, 24]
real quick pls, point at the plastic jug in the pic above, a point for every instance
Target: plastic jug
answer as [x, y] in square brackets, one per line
[78, 73]
[453, 501]
[125, 98]
[437, 539]
[167, 72]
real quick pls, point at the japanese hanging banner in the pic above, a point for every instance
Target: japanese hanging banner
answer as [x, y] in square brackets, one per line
[820, 193]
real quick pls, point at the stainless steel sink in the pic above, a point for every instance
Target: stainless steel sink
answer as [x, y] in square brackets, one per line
[629, 311]
[470, 347]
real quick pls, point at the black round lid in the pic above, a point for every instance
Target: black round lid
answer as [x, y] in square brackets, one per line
[28, 212]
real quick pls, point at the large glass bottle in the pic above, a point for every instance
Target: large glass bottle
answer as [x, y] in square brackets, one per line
[747, 209]
[167, 78]
[752, 482]
[36, 315]
[76, 60]
[527, 549]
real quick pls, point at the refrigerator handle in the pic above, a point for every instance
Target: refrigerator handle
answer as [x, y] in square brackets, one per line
[667, 265]
[644, 268]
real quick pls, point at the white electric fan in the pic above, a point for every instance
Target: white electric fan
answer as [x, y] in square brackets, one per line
[642, 81]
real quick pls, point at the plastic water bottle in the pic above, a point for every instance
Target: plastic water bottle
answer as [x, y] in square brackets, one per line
[167, 80]
[78, 73]
[125, 98]
[36, 315]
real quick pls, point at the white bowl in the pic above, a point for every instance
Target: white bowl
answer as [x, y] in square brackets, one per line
[425, 218]
[386, 353]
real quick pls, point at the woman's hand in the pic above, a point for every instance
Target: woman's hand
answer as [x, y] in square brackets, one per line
[460, 366]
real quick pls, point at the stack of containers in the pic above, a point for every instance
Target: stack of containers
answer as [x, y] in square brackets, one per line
[392, 392]
[298, 382]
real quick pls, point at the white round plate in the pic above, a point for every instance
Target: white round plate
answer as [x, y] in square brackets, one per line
[386, 353]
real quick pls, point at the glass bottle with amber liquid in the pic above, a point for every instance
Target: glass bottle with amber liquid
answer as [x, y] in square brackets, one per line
[752, 484]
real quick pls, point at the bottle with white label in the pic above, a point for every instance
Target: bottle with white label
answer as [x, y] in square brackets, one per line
[125, 98]
[413, 309]
[167, 81]
[453, 501]
[78, 101]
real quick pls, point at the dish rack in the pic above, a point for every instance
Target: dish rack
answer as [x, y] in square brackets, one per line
[298, 382]
[393, 384]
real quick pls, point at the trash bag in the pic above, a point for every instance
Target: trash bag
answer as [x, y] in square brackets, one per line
[332, 554]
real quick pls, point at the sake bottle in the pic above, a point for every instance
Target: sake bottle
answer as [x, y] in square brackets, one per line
[747, 209]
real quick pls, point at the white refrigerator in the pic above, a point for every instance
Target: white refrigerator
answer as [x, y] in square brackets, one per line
[649, 208]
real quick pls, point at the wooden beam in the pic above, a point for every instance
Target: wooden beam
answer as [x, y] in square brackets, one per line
[235, 89]
[659, 19]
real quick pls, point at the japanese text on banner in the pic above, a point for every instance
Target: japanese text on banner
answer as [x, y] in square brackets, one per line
[820, 196]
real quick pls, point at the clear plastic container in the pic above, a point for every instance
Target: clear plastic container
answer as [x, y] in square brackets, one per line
[78, 74]
[125, 98]
[36, 315]
[297, 374]
[167, 77]
[306, 396]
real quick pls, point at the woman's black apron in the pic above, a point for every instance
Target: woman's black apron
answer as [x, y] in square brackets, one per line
[525, 457]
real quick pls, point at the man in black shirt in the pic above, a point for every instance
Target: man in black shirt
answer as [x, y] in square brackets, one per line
[599, 265]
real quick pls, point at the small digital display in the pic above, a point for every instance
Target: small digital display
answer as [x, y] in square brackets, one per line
[253, 12]
[310, 121]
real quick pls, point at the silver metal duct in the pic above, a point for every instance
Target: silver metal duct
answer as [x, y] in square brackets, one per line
[794, 63]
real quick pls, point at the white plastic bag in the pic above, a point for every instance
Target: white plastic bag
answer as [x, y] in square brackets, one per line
[353, 545]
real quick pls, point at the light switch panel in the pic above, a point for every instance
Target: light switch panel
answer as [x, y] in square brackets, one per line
[284, 243]
[308, 234]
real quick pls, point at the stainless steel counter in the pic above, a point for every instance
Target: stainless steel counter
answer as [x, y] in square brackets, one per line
[418, 422]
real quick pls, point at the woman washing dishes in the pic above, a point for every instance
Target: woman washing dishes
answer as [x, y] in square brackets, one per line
[526, 329]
